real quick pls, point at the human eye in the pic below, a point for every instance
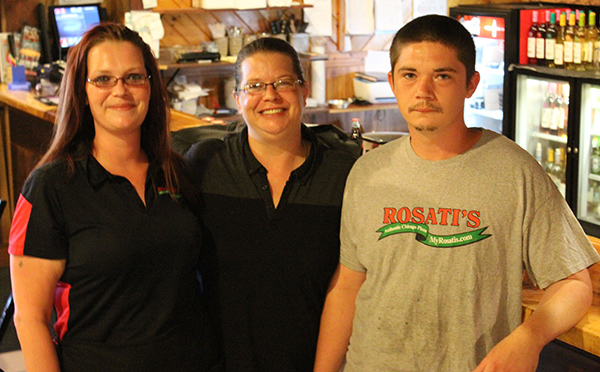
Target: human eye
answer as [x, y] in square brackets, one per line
[284, 84]
[135, 79]
[254, 88]
[104, 80]
[409, 75]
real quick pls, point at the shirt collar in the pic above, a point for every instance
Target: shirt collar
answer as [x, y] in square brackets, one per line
[95, 172]
[253, 166]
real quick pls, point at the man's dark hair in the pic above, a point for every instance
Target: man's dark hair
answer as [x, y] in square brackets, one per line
[440, 29]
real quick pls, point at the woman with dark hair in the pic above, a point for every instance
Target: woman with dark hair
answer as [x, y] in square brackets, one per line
[103, 229]
[270, 198]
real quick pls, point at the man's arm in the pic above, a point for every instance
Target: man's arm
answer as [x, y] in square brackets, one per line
[336, 320]
[563, 305]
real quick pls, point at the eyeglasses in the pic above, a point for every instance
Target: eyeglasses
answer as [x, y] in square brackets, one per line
[133, 80]
[283, 85]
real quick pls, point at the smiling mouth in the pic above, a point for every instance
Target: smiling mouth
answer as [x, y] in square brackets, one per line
[272, 111]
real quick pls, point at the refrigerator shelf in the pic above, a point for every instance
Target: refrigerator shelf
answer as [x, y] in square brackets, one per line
[550, 137]
[594, 177]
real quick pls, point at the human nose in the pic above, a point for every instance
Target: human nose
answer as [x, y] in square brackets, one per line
[270, 92]
[120, 87]
[425, 88]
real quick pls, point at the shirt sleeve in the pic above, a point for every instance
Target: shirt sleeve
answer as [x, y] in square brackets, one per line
[556, 245]
[349, 247]
[38, 227]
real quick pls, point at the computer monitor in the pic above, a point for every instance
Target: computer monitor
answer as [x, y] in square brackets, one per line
[69, 22]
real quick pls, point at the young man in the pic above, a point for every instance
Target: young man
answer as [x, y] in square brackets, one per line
[437, 228]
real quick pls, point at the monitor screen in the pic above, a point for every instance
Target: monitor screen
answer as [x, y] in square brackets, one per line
[70, 22]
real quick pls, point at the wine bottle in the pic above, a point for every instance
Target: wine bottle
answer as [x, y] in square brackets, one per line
[550, 40]
[540, 44]
[531, 38]
[578, 42]
[559, 47]
[591, 38]
[568, 42]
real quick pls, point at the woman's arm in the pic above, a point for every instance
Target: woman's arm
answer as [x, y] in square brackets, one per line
[337, 317]
[33, 283]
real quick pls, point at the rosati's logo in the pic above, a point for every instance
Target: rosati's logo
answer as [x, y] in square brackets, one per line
[419, 220]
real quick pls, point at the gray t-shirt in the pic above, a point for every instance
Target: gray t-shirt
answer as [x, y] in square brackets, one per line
[444, 244]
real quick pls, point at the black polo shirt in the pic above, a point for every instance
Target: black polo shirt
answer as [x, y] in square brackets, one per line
[269, 268]
[129, 298]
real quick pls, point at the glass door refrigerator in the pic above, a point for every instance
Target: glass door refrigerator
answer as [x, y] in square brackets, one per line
[500, 35]
[557, 120]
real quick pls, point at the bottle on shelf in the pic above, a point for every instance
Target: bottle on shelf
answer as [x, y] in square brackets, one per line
[356, 129]
[550, 40]
[596, 53]
[563, 93]
[547, 111]
[596, 200]
[591, 38]
[578, 42]
[540, 44]
[568, 42]
[595, 106]
[531, 38]
[549, 164]
[595, 156]
[539, 152]
[558, 171]
[559, 47]
[558, 115]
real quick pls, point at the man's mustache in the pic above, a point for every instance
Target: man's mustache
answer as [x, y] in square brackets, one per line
[424, 104]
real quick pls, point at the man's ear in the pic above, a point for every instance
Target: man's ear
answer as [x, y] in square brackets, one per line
[473, 83]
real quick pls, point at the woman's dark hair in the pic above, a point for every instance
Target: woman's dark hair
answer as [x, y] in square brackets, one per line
[268, 45]
[74, 126]
[440, 29]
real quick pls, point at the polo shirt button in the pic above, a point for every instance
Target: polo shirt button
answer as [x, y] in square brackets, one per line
[265, 187]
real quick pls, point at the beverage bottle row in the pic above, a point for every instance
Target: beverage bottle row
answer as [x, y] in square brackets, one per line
[554, 164]
[555, 109]
[593, 199]
[564, 40]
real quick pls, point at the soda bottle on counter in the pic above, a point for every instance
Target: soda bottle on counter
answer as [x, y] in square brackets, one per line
[531, 38]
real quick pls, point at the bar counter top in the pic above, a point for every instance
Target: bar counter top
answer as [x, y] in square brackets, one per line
[586, 334]
[26, 101]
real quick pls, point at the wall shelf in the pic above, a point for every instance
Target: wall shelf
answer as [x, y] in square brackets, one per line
[202, 10]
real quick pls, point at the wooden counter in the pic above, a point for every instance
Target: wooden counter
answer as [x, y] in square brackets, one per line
[586, 334]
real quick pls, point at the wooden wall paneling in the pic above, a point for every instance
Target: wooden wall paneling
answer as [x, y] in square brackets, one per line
[171, 4]
[184, 29]
[339, 70]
